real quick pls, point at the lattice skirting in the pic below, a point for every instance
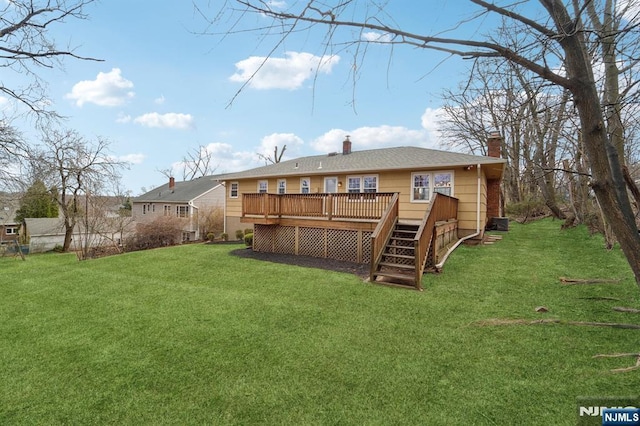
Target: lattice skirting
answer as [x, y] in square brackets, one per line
[340, 244]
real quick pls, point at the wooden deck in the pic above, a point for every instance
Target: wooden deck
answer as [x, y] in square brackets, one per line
[359, 227]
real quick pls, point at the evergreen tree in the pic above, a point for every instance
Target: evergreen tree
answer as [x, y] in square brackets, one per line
[37, 202]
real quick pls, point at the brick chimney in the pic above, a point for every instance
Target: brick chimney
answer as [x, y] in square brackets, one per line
[172, 183]
[346, 146]
[494, 145]
[494, 148]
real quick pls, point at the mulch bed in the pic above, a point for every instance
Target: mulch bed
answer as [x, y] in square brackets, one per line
[359, 269]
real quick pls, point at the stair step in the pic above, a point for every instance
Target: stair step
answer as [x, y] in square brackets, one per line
[397, 265]
[395, 246]
[393, 238]
[400, 256]
[403, 278]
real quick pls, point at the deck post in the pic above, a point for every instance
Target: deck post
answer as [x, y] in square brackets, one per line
[330, 206]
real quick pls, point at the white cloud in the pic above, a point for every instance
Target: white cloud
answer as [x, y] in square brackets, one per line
[269, 143]
[170, 120]
[160, 100]
[123, 118]
[373, 137]
[132, 158]
[108, 89]
[376, 37]
[288, 73]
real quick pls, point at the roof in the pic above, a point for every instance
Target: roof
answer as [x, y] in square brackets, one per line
[373, 160]
[44, 226]
[183, 191]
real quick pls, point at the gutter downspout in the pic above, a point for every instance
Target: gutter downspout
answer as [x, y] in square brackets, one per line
[197, 230]
[462, 240]
[224, 207]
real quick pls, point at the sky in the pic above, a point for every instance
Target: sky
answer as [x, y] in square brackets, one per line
[163, 89]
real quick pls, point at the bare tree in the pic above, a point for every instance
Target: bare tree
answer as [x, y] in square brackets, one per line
[558, 48]
[196, 163]
[277, 156]
[26, 45]
[78, 168]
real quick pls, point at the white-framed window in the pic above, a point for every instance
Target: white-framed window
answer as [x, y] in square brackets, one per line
[263, 186]
[305, 185]
[233, 190]
[331, 185]
[282, 186]
[11, 231]
[167, 210]
[443, 183]
[424, 184]
[182, 211]
[357, 184]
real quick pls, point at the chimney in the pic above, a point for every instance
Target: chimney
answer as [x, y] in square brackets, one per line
[346, 146]
[494, 145]
[494, 193]
[172, 183]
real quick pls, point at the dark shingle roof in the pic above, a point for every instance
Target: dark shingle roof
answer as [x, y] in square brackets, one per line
[183, 192]
[398, 158]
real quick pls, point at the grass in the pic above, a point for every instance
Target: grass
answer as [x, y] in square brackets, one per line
[193, 335]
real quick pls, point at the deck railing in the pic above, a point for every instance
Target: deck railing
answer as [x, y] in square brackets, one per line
[366, 206]
[441, 207]
[381, 234]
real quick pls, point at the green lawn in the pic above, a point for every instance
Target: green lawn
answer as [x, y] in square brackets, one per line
[193, 335]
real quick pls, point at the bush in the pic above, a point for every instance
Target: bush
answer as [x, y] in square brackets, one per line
[161, 232]
[530, 208]
[248, 239]
[239, 234]
[224, 236]
[211, 236]
[248, 231]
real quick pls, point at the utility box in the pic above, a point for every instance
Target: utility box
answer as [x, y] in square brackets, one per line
[499, 224]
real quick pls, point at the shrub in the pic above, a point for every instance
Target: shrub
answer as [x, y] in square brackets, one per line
[224, 236]
[239, 234]
[211, 236]
[530, 208]
[161, 232]
[248, 239]
[248, 231]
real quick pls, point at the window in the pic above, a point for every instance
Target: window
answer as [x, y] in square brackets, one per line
[182, 211]
[167, 210]
[305, 185]
[424, 184]
[144, 209]
[153, 208]
[357, 184]
[421, 187]
[233, 190]
[443, 183]
[263, 186]
[11, 231]
[353, 185]
[282, 186]
[331, 185]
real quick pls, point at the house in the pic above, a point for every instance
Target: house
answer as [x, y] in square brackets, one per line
[9, 227]
[46, 233]
[188, 201]
[399, 209]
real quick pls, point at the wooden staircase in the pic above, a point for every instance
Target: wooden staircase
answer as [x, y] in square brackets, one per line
[398, 263]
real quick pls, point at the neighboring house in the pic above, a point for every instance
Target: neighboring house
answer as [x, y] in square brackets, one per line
[9, 228]
[44, 234]
[396, 208]
[187, 200]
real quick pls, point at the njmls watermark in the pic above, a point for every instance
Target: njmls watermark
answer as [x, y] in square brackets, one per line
[608, 411]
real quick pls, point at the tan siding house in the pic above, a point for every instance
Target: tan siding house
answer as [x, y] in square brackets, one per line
[332, 205]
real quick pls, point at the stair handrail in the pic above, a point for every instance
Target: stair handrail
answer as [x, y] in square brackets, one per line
[441, 207]
[383, 231]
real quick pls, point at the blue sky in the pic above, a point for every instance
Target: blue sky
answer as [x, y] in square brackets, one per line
[162, 89]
